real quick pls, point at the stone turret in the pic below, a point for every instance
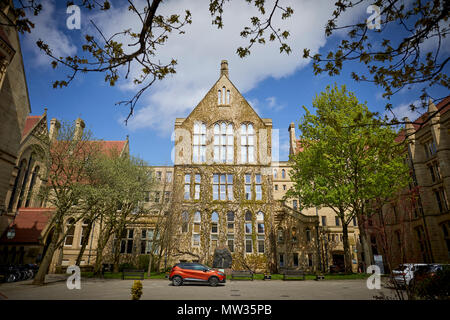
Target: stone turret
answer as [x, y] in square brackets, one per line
[54, 128]
[292, 139]
[79, 127]
[224, 68]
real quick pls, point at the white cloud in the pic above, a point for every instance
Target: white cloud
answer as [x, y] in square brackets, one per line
[404, 110]
[273, 105]
[46, 29]
[201, 49]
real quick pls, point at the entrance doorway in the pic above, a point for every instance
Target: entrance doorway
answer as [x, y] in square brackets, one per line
[338, 262]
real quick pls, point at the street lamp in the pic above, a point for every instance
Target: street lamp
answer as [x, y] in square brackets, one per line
[11, 233]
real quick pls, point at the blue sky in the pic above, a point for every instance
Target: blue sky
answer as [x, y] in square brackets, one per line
[277, 86]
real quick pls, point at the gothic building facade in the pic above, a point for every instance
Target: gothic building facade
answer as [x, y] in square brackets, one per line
[223, 189]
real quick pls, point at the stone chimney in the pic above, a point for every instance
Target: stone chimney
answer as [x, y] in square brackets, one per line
[292, 139]
[409, 129]
[224, 68]
[54, 128]
[79, 127]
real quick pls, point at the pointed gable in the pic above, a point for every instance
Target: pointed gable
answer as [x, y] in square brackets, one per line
[223, 102]
[35, 125]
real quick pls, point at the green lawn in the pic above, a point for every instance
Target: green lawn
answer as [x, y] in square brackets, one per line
[313, 276]
[157, 275]
[111, 275]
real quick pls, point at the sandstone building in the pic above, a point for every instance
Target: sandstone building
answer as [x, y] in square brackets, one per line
[227, 192]
[415, 227]
[29, 215]
[14, 107]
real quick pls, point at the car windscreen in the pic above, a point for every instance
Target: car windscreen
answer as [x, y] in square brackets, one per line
[400, 268]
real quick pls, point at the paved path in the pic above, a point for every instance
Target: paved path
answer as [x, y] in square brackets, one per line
[162, 289]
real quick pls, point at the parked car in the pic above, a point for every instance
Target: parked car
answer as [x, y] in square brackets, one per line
[195, 272]
[425, 272]
[404, 273]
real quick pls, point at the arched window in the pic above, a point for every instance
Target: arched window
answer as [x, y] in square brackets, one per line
[280, 234]
[214, 222]
[219, 97]
[199, 143]
[196, 229]
[248, 222]
[275, 173]
[308, 235]
[248, 232]
[260, 224]
[25, 180]
[247, 143]
[70, 232]
[228, 96]
[223, 95]
[230, 222]
[23, 163]
[230, 230]
[294, 234]
[214, 230]
[283, 174]
[31, 187]
[223, 143]
[184, 221]
[84, 228]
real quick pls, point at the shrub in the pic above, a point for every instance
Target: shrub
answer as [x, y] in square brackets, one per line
[436, 287]
[143, 262]
[136, 290]
[123, 266]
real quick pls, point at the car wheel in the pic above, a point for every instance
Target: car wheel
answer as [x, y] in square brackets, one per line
[177, 281]
[213, 281]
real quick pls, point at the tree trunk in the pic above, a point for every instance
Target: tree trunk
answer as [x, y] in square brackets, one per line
[39, 279]
[347, 253]
[102, 242]
[149, 269]
[116, 255]
[84, 243]
[368, 257]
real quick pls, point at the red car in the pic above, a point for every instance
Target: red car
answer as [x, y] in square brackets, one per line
[195, 272]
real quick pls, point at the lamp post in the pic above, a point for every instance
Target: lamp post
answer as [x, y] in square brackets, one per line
[11, 233]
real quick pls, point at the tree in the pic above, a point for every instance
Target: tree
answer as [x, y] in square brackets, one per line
[105, 54]
[125, 181]
[347, 159]
[393, 62]
[66, 159]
